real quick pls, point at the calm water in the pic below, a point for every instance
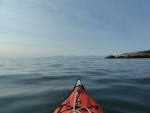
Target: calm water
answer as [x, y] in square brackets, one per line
[39, 85]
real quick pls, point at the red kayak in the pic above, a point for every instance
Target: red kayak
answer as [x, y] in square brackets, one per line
[79, 102]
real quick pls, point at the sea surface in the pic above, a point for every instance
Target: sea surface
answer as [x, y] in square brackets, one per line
[39, 85]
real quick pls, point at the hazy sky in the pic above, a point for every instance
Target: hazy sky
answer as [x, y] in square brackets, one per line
[30, 28]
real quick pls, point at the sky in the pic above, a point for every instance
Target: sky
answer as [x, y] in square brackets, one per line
[39, 28]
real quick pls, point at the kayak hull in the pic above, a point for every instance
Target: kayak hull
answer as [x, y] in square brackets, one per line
[79, 101]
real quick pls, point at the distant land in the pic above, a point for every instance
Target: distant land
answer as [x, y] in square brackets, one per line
[139, 54]
[74, 56]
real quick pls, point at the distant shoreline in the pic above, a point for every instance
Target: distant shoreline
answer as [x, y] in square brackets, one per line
[139, 54]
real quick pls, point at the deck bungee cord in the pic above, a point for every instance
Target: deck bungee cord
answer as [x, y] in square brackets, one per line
[77, 104]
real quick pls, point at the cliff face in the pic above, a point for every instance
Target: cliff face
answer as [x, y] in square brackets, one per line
[139, 54]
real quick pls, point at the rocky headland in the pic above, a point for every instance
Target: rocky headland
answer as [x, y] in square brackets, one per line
[139, 54]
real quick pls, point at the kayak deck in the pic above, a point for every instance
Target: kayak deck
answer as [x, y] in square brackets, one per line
[79, 101]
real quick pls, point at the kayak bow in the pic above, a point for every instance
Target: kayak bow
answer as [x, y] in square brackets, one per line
[79, 101]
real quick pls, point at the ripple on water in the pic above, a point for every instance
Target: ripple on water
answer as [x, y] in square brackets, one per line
[40, 85]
